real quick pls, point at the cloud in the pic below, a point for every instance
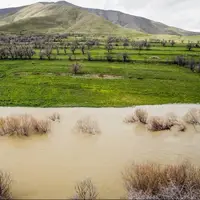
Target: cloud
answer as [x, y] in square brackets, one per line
[180, 13]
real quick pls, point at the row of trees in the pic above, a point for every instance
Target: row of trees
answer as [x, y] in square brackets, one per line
[59, 40]
[187, 62]
[16, 51]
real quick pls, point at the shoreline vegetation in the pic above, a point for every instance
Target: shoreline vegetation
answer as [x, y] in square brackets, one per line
[141, 181]
[160, 123]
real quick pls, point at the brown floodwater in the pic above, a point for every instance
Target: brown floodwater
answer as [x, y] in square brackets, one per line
[50, 166]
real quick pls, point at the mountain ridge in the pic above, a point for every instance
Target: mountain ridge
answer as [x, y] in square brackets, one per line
[127, 21]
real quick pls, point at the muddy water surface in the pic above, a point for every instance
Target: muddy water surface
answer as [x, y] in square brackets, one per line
[50, 166]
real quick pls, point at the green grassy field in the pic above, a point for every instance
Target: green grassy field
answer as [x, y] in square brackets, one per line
[49, 83]
[142, 80]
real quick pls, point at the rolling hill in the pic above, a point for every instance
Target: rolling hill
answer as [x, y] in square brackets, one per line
[63, 16]
[57, 18]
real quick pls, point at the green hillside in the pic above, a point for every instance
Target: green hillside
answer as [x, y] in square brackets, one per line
[48, 18]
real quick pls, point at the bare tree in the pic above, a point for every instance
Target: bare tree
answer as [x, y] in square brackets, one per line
[109, 57]
[133, 44]
[192, 64]
[76, 68]
[65, 49]
[172, 43]
[73, 49]
[164, 42]
[57, 50]
[48, 51]
[189, 46]
[83, 49]
[89, 56]
[109, 47]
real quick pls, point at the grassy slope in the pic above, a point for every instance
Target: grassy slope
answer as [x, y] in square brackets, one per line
[59, 18]
[55, 18]
[41, 83]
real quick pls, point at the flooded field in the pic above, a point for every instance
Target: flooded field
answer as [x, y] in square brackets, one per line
[49, 166]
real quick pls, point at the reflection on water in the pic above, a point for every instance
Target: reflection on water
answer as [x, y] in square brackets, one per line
[50, 166]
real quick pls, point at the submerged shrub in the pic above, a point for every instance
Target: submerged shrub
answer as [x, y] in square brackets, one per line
[55, 117]
[130, 119]
[167, 193]
[40, 126]
[139, 115]
[86, 190]
[23, 125]
[154, 181]
[87, 125]
[156, 123]
[192, 117]
[5, 183]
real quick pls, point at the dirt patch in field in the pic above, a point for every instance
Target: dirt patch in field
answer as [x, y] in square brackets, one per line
[93, 76]
[98, 76]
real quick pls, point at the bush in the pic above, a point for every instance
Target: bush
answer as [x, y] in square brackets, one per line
[130, 119]
[86, 190]
[192, 117]
[153, 180]
[125, 57]
[172, 120]
[55, 117]
[190, 46]
[23, 125]
[180, 60]
[139, 115]
[89, 57]
[109, 57]
[86, 125]
[76, 68]
[5, 183]
[167, 193]
[40, 126]
[156, 123]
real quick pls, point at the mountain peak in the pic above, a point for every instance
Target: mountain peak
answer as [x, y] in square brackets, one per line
[64, 3]
[108, 18]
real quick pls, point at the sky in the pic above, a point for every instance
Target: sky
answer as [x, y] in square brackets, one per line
[179, 13]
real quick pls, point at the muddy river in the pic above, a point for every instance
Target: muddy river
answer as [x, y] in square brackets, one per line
[50, 166]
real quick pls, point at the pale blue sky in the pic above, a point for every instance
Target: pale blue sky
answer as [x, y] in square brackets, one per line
[181, 13]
